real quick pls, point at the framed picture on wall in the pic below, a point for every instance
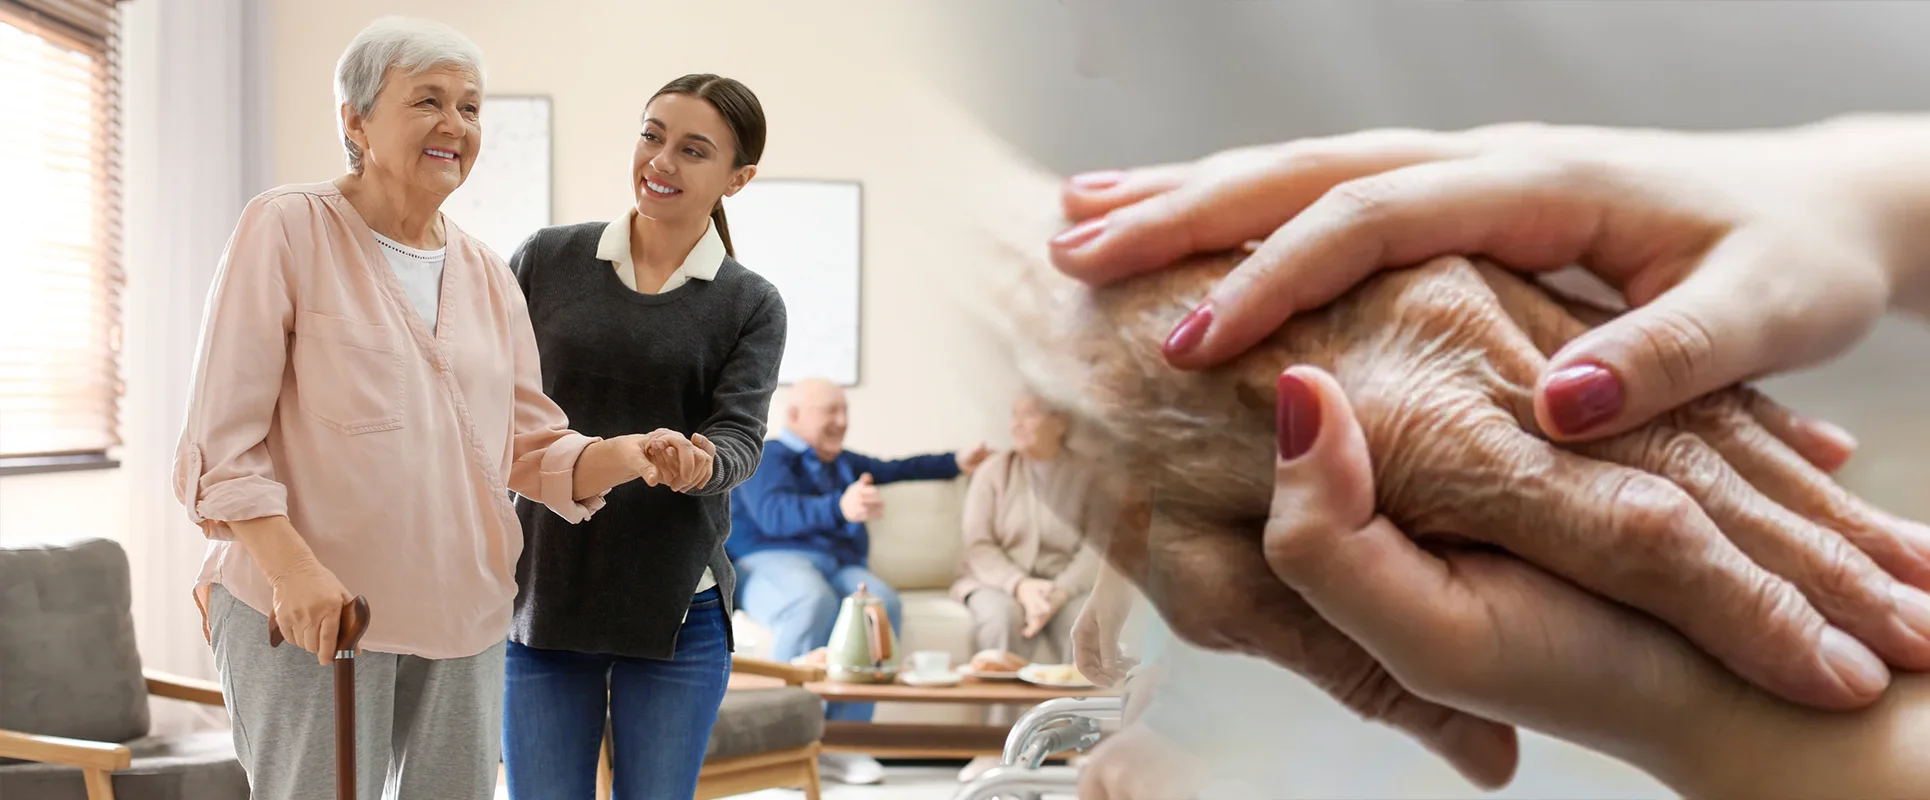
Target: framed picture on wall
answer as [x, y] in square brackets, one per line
[807, 237]
[507, 195]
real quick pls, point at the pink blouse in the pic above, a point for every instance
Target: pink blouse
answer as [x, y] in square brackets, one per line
[320, 393]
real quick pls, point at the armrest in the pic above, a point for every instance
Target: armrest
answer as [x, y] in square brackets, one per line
[789, 673]
[181, 687]
[77, 753]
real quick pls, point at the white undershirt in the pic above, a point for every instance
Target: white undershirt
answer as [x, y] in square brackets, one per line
[420, 272]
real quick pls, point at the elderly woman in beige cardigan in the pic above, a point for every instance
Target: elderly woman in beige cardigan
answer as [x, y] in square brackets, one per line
[1026, 555]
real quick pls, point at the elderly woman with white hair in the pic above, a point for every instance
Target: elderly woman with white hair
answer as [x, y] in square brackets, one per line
[366, 397]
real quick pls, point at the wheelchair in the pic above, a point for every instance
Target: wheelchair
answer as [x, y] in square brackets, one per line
[1064, 725]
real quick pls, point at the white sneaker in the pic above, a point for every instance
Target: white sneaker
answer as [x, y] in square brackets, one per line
[852, 768]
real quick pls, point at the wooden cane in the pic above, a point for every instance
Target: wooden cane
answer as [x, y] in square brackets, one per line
[354, 623]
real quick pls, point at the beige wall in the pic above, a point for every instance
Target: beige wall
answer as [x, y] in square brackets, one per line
[62, 506]
[826, 79]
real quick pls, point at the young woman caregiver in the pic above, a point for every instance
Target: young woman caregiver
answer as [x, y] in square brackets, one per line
[645, 325]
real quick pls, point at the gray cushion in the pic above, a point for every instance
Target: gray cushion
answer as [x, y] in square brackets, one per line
[753, 721]
[68, 663]
[198, 766]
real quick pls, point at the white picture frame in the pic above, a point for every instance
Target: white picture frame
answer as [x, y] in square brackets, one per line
[508, 194]
[807, 237]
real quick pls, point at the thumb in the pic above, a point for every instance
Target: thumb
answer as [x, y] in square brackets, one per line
[1323, 538]
[703, 443]
[865, 479]
[1722, 325]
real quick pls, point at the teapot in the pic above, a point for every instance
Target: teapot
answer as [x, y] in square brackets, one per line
[863, 648]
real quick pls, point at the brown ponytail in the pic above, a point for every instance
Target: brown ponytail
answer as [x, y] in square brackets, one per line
[723, 228]
[740, 108]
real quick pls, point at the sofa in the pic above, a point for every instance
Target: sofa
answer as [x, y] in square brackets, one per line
[916, 549]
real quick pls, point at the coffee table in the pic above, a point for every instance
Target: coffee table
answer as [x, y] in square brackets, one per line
[900, 740]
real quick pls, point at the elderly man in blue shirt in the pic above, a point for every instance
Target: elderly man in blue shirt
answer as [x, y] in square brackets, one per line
[798, 538]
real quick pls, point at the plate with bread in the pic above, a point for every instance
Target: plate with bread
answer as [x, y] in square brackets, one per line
[994, 665]
[1057, 676]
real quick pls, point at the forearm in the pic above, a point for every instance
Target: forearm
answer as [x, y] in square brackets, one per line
[737, 459]
[603, 465]
[1081, 575]
[1881, 165]
[789, 515]
[273, 542]
[990, 565]
[1762, 748]
[934, 467]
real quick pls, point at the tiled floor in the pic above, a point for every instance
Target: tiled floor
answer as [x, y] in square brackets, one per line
[901, 783]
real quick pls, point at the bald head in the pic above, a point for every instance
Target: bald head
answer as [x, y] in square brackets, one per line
[816, 414]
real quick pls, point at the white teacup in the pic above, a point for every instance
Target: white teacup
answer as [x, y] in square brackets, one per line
[931, 663]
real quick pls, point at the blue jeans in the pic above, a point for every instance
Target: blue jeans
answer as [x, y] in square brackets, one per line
[797, 594]
[660, 713]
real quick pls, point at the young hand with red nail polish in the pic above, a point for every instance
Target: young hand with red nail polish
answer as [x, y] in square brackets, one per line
[1742, 254]
[1492, 635]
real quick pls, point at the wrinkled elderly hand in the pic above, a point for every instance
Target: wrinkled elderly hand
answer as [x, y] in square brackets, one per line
[1704, 519]
[1487, 633]
[683, 464]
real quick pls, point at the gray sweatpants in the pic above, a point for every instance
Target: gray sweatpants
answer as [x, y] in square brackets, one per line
[425, 729]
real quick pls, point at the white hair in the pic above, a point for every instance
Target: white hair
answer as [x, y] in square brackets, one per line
[417, 45]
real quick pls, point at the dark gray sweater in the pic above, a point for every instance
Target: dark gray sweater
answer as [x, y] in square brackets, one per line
[700, 358]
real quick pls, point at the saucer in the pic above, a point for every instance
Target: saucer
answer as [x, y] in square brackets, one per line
[1055, 676]
[968, 672]
[941, 679]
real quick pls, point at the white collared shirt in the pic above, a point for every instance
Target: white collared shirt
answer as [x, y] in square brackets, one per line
[702, 263]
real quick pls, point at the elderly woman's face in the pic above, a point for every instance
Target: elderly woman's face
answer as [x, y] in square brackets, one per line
[685, 160]
[1034, 426]
[425, 129]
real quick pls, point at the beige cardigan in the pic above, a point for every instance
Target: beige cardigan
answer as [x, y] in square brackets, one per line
[1026, 519]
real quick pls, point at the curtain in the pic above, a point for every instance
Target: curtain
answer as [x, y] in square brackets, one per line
[196, 151]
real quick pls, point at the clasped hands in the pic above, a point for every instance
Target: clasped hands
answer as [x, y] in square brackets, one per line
[1713, 519]
[1040, 599]
[664, 457]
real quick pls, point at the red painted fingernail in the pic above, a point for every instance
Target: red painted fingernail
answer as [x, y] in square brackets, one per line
[1583, 396]
[1079, 234]
[1296, 417]
[1097, 181]
[1188, 333]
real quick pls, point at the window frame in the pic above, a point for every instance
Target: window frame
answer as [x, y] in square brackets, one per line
[90, 27]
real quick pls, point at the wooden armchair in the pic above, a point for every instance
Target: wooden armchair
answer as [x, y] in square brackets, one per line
[766, 735]
[98, 761]
[73, 708]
